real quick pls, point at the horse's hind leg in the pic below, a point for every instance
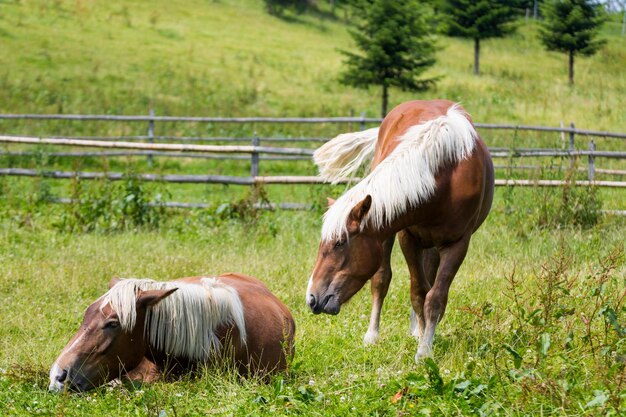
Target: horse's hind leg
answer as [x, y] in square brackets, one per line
[452, 257]
[420, 281]
[430, 263]
[379, 286]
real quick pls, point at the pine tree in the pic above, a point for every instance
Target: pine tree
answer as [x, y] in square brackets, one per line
[396, 47]
[571, 26]
[477, 20]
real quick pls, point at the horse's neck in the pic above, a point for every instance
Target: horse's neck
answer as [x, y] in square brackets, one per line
[168, 363]
[383, 149]
[439, 208]
[229, 342]
[389, 229]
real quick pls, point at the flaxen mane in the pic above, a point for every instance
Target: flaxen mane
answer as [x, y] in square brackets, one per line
[406, 178]
[183, 324]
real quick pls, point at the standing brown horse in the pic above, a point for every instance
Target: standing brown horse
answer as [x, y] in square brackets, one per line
[431, 183]
[141, 328]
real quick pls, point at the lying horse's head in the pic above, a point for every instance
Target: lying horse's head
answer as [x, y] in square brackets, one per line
[347, 258]
[105, 346]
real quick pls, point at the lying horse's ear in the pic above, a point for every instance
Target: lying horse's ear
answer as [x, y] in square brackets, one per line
[358, 213]
[330, 201]
[151, 297]
[113, 281]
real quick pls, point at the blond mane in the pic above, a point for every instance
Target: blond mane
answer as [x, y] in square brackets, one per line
[406, 178]
[183, 324]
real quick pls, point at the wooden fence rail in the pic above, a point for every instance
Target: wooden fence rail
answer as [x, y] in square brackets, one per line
[178, 147]
[265, 180]
[189, 138]
[362, 120]
[255, 149]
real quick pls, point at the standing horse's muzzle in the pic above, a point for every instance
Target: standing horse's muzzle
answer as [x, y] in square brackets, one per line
[328, 304]
[312, 303]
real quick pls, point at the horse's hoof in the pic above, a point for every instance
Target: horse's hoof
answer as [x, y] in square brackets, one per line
[423, 354]
[370, 338]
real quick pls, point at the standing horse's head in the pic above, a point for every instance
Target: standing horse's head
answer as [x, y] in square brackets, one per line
[345, 263]
[103, 348]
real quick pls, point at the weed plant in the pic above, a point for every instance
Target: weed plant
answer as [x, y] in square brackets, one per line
[105, 206]
[553, 207]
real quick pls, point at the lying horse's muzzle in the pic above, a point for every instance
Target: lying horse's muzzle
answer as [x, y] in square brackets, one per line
[60, 380]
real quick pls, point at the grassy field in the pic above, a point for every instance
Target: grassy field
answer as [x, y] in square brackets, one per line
[536, 321]
[502, 349]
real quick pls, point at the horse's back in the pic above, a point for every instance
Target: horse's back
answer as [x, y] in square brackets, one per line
[464, 190]
[270, 327]
[401, 118]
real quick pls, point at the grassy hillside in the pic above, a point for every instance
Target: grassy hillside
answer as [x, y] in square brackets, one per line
[229, 57]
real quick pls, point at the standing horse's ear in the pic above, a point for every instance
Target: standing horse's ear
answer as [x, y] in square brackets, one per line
[113, 281]
[330, 201]
[358, 213]
[151, 297]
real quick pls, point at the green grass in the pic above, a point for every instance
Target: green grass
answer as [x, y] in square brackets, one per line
[50, 277]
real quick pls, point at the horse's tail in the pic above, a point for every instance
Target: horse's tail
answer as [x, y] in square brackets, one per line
[342, 156]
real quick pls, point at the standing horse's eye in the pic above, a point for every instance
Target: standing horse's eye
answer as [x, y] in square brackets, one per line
[340, 243]
[111, 324]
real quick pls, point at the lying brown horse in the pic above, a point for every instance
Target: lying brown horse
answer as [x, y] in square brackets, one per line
[141, 328]
[431, 183]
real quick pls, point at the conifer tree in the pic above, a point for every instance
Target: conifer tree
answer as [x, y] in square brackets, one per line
[477, 20]
[571, 26]
[396, 47]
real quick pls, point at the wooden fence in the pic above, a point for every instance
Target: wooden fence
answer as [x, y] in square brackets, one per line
[150, 146]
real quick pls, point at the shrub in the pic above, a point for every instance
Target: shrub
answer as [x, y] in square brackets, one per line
[107, 206]
[570, 205]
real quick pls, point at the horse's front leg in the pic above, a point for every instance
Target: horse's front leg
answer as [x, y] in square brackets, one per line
[451, 258]
[146, 372]
[379, 286]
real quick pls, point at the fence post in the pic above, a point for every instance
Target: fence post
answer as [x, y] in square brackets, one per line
[591, 161]
[350, 124]
[254, 157]
[150, 134]
[571, 143]
[362, 120]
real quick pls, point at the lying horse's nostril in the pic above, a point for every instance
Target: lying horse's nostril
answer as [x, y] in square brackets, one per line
[62, 376]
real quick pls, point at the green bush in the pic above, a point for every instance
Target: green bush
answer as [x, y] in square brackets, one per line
[107, 206]
[569, 205]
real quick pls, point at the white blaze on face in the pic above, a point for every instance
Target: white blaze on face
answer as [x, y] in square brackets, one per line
[55, 371]
[308, 289]
[76, 342]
